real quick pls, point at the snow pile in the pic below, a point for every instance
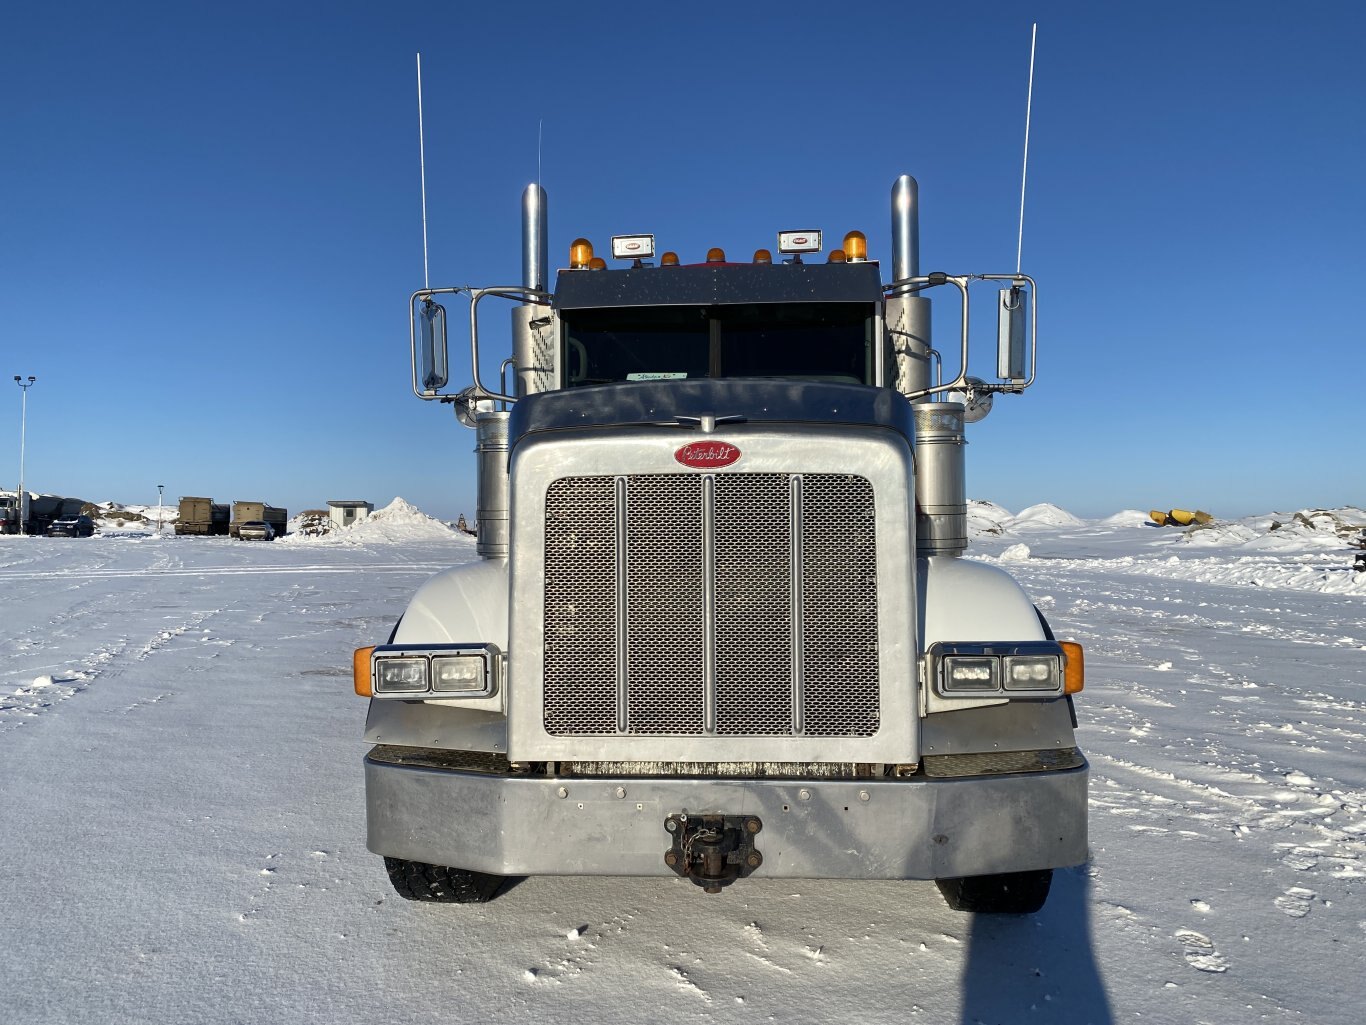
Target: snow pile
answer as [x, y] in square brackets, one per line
[987, 518]
[1045, 516]
[1015, 553]
[1125, 518]
[398, 522]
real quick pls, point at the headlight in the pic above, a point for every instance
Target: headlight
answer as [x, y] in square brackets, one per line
[458, 673]
[400, 675]
[971, 674]
[1022, 670]
[1033, 672]
[435, 670]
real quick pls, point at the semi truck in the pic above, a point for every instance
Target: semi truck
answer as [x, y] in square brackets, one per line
[244, 512]
[721, 626]
[42, 511]
[202, 516]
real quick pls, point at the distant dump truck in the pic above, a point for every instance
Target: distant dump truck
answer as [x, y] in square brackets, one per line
[202, 516]
[243, 512]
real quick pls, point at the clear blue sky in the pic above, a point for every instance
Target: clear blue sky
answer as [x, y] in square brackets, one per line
[210, 223]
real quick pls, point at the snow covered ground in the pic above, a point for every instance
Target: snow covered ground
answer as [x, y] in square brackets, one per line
[182, 817]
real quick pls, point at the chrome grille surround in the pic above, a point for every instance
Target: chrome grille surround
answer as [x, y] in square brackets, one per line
[745, 608]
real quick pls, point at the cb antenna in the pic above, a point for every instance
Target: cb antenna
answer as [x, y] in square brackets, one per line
[1024, 170]
[422, 170]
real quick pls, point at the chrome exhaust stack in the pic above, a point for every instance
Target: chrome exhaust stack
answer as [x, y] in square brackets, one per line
[908, 316]
[533, 334]
[941, 516]
[495, 486]
[940, 486]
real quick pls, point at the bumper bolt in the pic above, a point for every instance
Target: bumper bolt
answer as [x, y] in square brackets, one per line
[562, 793]
[804, 794]
[620, 792]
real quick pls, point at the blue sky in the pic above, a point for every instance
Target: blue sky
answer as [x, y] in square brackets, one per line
[211, 222]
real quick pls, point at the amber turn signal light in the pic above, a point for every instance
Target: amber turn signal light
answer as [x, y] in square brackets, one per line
[855, 247]
[763, 256]
[716, 255]
[580, 254]
[360, 671]
[836, 256]
[1074, 676]
[669, 260]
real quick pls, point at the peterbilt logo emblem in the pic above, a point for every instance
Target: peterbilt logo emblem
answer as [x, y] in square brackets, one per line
[632, 246]
[707, 455]
[800, 240]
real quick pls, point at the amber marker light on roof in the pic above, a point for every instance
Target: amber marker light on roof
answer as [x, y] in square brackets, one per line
[855, 247]
[580, 254]
[836, 256]
[1074, 675]
[360, 671]
[597, 263]
[763, 256]
[669, 260]
[716, 255]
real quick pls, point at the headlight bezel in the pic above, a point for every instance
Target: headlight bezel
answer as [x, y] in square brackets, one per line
[429, 658]
[948, 659]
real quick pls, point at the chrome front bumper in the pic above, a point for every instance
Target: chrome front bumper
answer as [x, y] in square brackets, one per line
[918, 828]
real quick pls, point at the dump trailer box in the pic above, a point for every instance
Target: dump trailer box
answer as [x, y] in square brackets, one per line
[243, 512]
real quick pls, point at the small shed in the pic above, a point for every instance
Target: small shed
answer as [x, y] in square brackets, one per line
[344, 513]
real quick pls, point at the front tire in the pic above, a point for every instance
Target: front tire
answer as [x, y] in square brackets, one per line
[1010, 893]
[416, 880]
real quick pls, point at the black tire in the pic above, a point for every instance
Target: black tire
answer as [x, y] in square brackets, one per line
[1010, 893]
[416, 880]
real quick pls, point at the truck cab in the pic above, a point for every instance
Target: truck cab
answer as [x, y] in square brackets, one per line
[721, 626]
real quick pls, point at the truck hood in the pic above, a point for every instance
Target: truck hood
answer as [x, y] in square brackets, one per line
[685, 403]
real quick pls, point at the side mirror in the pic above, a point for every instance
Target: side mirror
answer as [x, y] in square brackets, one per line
[434, 369]
[1012, 316]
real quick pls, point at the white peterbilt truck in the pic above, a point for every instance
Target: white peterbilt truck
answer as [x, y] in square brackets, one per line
[720, 626]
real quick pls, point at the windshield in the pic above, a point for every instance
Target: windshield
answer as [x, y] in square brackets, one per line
[814, 341]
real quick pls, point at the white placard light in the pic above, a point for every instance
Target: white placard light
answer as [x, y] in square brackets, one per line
[633, 247]
[799, 241]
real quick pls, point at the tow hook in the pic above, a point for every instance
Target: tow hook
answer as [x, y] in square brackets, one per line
[713, 850]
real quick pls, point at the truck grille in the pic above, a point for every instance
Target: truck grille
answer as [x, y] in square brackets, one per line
[727, 604]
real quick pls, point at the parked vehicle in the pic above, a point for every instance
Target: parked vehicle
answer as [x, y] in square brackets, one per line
[247, 512]
[42, 512]
[201, 516]
[721, 627]
[72, 526]
[256, 530]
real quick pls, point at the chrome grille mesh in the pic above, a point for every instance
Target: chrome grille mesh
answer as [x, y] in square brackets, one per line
[754, 604]
[581, 606]
[839, 642]
[728, 604]
[664, 630]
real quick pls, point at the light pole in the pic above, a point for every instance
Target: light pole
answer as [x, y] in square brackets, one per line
[23, 432]
[159, 490]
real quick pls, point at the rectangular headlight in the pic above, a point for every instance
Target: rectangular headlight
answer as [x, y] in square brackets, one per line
[969, 673]
[459, 674]
[415, 672]
[1032, 672]
[400, 675]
